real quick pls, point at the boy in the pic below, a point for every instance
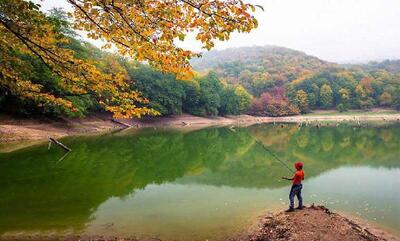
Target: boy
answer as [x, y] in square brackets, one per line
[296, 186]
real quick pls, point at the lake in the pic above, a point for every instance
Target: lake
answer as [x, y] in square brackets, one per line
[205, 184]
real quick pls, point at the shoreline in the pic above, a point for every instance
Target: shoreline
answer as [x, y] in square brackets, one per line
[311, 223]
[16, 133]
[315, 223]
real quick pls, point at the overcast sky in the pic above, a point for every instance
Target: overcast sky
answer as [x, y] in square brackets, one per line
[335, 30]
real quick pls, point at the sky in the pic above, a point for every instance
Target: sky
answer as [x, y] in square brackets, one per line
[344, 31]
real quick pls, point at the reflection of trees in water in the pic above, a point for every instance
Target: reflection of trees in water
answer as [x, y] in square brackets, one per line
[336, 145]
[303, 139]
[99, 168]
[321, 149]
[275, 135]
[38, 193]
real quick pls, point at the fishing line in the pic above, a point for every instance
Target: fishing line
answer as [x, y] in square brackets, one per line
[277, 158]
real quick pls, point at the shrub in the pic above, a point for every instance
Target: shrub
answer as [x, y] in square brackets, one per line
[341, 108]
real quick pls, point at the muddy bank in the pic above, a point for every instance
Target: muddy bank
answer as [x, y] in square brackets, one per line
[314, 223]
[16, 133]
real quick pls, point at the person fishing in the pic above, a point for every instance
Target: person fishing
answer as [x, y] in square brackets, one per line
[296, 180]
[295, 190]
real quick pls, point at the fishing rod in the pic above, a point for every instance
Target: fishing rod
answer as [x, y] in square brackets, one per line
[272, 154]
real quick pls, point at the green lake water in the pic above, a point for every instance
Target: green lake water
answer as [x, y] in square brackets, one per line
[208, 184]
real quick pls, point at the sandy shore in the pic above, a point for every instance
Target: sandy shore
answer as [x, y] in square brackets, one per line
[314, 223]
[189, 121]
[23, 132]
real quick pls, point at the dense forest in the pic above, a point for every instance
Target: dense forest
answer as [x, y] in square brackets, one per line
[285, 81]
[271, 81]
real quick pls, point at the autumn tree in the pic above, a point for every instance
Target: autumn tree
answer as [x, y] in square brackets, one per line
[366, 84]
[147, 30]
[326, 96]
[273, 103]
[344, 99]
[385, 99]
[244, 98]
[302, 101]
[362, 98]
[26, 30]
[144, 30]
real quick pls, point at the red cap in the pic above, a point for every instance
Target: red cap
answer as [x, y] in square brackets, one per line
[298, 165]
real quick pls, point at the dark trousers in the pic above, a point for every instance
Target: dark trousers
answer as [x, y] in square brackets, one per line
[296, 191]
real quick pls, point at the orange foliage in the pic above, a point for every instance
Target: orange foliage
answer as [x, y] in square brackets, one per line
[144, 30]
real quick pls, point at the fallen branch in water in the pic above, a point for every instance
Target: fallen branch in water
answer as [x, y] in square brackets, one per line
[59, 144]
[121, 123]
[62, 158]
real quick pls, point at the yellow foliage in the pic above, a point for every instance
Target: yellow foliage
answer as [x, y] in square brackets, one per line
[147, 30]
[144, 30]
[306, 74]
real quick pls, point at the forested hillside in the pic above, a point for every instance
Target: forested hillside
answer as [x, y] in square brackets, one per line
[272, 81]
[258, 68]
[286, 82]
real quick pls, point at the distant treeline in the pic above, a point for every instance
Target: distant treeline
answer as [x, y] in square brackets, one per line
[287, 82]
[204, 96]
[345, 89]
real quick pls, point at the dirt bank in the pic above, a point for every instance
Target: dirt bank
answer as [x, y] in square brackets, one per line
[22, 131]
[314, 223]
[16, 133]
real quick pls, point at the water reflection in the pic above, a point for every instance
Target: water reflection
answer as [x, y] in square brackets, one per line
[103, 174]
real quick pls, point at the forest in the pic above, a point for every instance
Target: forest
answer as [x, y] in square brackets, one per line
[265, 81]
[288, 82]
[120, 78]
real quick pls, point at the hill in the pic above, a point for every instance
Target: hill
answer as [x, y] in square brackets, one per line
[288, 82]
[392, 66]
[259, 66]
